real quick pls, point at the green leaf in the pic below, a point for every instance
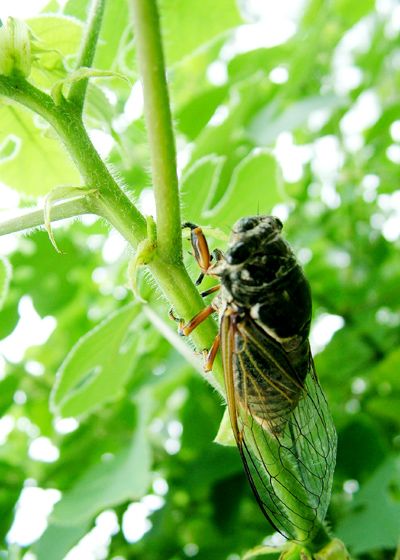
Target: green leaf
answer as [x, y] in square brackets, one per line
[77, 8]
[253, 189]
[5, 275]
[11, 483]
[225, 435]
[194, 116]
[187, 25]
[266, 125]
[267, 550]
[97, 367]
[226, 138]
[201, 179]
[8, 386]
[59, 39]
[354, 11]
[361, 447]
[112, 482]
[9, 318]
[42, 164]
[334, 550]
[57, 540]
[250, 62]
[387, 370]
[373, 522]
[99, 113]
[116, 40]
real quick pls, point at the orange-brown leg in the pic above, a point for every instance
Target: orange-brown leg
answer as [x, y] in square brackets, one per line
[210, 290]
[185, 330]
[209, 356]
[199, 244]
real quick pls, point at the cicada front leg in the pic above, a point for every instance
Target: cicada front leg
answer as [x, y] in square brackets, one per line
[201, 252]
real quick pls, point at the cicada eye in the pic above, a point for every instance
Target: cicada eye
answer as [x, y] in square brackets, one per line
[248, 223]
[238, 253]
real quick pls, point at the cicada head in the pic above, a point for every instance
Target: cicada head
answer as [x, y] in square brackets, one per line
[251, 235]
[257, 255]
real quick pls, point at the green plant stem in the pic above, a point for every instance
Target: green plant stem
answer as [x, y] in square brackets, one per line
[86, 54]
[186, 302]
[167, 266]
[32, 219]
[159, 128]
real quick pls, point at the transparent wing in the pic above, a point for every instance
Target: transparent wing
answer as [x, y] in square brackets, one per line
[283, 429]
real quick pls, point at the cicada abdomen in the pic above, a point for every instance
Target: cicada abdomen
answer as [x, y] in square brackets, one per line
[279, 415]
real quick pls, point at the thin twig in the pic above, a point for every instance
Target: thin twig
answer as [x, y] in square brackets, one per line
[35, 218]
[86, 54]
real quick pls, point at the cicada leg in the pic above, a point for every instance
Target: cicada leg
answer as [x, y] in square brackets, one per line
[209, 356]
[205, 260]
[186, 329]
[201, 251]
[210, 291]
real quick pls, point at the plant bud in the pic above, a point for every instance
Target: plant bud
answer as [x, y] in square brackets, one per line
[15, 48]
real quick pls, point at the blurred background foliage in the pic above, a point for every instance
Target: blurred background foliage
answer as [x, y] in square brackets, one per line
[305, 126]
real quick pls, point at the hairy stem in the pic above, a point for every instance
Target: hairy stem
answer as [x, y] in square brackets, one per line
[86, 54]
[167, 267]
[159, 128]
[32, 219]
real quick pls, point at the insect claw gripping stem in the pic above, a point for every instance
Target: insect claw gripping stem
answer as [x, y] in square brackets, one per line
[181, 322]
[185, 330]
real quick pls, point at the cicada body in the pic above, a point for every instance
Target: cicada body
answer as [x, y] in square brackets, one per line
[279, 415]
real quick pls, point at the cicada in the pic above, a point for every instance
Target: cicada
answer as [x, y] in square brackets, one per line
[279, 416]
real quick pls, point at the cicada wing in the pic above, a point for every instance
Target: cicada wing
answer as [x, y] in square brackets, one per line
[314, 439]
[283, 429]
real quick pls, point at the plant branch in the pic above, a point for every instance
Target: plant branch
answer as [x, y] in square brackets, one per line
[86, 54]
[34, 219]
[112, 203]
[167, 266]
[159, 128]
[114, 206]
